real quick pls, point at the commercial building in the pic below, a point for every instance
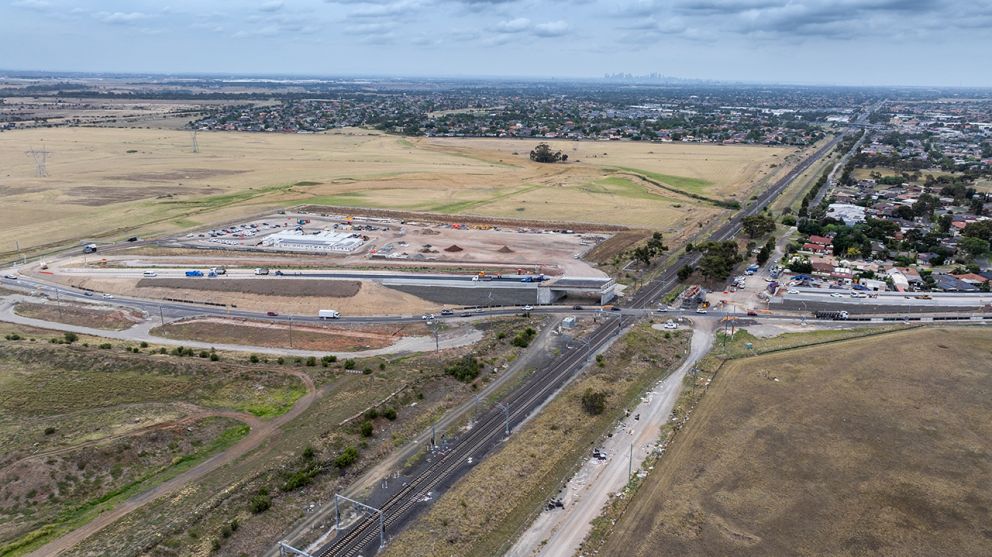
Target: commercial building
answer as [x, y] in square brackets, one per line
[319, 242]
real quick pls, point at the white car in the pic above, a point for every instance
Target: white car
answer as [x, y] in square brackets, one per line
[108, 295]
[11, 277]
[836, 295]
[671, 324]
[793, 291]
[528, 308]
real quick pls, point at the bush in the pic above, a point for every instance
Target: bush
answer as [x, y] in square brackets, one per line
[329, 359]
[49, 430]
[71, 337]
[367, 428]
[371, 414]
[523, 338]
[347, 457]
[204, 354]
[349, 364]
[280, 360]
[161, 350]
[599, 360]
[311, 361]
[594, 402]
[389, 413]
[144, 344]
[214, 357]
[260, 503]
[12, 336]
[309, 453]
[464, 369]
[105, 346]
[253, 358]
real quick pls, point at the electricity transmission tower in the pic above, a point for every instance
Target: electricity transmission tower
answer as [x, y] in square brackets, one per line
[196, 147]
[40, 157]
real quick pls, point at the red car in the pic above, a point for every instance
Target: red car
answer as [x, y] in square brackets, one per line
[271, 314]
[752, 313]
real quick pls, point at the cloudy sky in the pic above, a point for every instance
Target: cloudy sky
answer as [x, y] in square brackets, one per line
[860, 42]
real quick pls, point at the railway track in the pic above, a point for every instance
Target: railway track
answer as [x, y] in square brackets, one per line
[521, 403]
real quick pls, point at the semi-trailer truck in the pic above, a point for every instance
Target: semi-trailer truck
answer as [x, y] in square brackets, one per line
[328, 314]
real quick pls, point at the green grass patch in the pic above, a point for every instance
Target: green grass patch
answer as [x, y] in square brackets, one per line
[693, 185]
[76, 517]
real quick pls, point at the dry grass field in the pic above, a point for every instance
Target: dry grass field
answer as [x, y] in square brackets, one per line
[868, 446]
[106, 183]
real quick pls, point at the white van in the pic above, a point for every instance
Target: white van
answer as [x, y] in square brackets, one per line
[149, 274]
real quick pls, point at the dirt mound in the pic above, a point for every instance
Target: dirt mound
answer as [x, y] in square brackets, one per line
[505, 249]
[453, 248]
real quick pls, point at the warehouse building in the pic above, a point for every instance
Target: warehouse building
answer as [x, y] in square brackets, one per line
[319, 242]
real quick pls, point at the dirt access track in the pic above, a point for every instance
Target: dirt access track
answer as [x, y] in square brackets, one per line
[874, 446]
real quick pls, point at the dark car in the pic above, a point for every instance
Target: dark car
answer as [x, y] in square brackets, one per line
[132, 239]
[576, 307]
[87, 293]
[752, 313]
[278, 273]
[615, 308]
[271, 313]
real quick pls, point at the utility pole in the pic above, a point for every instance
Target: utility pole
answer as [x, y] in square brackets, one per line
[161, 314]
[58, 301]
[290, 331]
[506, 417]
[630, 463]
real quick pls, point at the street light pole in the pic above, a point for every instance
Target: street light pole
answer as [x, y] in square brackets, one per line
[290, 331]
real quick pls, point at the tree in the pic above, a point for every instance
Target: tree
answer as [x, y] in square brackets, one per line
[347, 457]
[758, 225]
[543, 153]
[973, 247]
[719, 259]
[686, 272]
[979, 229]
[70, 337]
[594, 402]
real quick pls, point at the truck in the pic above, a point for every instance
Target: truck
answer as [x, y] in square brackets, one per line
[218, 270]
[261, 271]
[194, 273]
[328, 314]
[830, 314]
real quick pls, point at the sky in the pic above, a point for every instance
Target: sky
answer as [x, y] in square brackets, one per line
[845, 42]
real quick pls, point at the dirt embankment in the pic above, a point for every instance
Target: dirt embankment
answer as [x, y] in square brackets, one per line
[113, 319]
[488, 221]
[263, 287]
[304, 337]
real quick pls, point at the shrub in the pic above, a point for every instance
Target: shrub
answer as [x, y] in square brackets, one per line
[144, 344]
[389, 413]
[49, 430]
[347, 457]
[367, 428]
[599, 360]
[594, 402]
[464, 369]
[105, 346]
[253, 358]
[371, 414]
[161, 350]
[71, 337]
[309, 453]
[311, 361]
[214, 357]
[13, 336]
[280, 360]
[349, 364]
[260, 503]
[523, 338]
[330, 359]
